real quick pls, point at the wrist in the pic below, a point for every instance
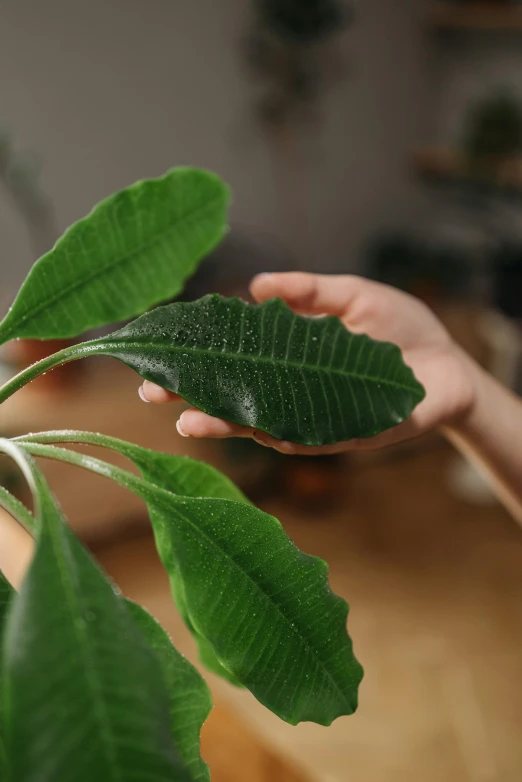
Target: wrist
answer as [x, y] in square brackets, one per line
[468, 381]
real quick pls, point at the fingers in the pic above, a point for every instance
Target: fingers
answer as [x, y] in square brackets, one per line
[194, 423]
[150, 392]
[311, 293]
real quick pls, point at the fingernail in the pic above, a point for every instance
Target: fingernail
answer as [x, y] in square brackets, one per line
[286, 446]
[180, 430]
[141, 392]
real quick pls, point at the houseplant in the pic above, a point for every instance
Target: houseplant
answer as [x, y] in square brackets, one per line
[288, 50]
[91, 686]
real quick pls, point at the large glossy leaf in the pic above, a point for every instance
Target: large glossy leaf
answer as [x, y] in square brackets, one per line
[134, 250]
[6, 593]
[265, 607]
[307, 380]
[189, 697]
[179, 475]
[19, 512]
[86, 696]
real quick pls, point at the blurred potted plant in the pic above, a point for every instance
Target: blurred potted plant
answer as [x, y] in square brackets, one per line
[493, 135]
[286, 50]
[430, 268]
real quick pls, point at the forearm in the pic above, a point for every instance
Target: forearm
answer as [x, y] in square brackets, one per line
[490, 436]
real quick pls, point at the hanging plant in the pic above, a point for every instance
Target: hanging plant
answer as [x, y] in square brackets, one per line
[287, 50]
[304, 21]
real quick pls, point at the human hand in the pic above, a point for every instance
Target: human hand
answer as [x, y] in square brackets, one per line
[383, 313]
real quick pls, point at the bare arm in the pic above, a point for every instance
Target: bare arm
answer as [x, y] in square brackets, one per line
[490, 436]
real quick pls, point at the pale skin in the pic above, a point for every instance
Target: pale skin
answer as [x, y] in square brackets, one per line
[478, 415]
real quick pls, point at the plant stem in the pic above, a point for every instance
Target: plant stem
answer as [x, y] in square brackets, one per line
[17, 510]
[40, 367]
[73, 436]
[98, 466]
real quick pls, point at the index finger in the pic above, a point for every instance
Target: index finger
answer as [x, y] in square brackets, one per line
[150, 392]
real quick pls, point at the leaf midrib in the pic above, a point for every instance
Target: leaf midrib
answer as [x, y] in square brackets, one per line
[43, 304]
[282, 362]
[275, 604]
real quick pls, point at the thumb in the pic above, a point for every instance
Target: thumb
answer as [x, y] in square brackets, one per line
[315, 294]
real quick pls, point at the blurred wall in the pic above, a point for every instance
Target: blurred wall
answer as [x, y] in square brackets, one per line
[108, 92]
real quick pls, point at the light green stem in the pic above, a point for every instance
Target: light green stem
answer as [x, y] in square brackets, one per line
[123, 477]
[72, 353]
[82, 438]
[17, 510]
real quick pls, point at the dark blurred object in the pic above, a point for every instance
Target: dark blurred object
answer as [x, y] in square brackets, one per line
[507, 280]
[303, 21]
[392, 258]
[313, 484]
[230, 267]
[485, 4]
[477, 15]
[305, 483]
[452, 167]
[287, 50]
[482, 5]
[431, 269]
[493, 130]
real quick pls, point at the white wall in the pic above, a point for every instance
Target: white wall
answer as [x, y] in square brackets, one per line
[108, 91]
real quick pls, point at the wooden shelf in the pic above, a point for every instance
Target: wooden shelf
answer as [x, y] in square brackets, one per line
[441, 163]
[477, 16]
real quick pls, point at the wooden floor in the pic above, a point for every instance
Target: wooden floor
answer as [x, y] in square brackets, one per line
[435, 587]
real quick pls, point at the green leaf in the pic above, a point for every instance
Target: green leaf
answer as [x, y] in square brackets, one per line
[6, 593]
[190, 478]
[19, 512]
[189, 697]
[307, 380]
[265, 607]
[84, 693]
[134, 250]
[179, 475]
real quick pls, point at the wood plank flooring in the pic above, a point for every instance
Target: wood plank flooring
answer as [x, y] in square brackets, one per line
[435, 587]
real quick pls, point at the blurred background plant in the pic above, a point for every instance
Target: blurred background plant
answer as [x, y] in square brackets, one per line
[20, 175]
[493, 129]
[290, 50]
